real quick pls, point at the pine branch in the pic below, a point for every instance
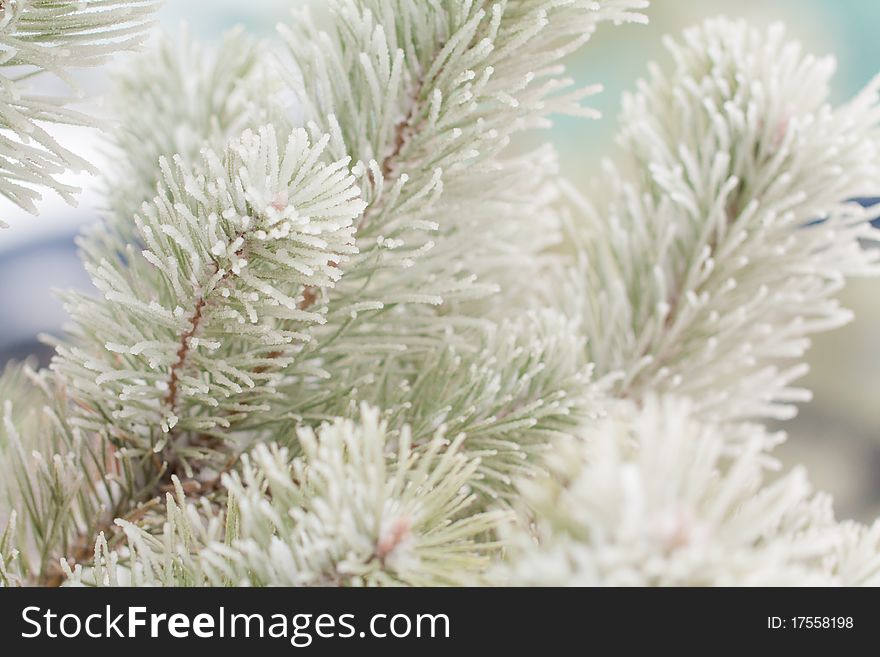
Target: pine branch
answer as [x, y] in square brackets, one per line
[51, 37]
[654, 497]
[415, 129]
[64, 484]
[175, 100]
[524, 384]
[220, 252]
[715, 260]
[347, 512]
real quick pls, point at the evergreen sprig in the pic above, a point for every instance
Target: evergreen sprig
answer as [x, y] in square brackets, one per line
[40, 37]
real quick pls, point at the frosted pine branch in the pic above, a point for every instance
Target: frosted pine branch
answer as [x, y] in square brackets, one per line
[218, 287]
[721, 252]
[526, 384]
[61, 484]
[352, 509]
[652, 498]
[46, 36]
[425, 97]
[175, 100]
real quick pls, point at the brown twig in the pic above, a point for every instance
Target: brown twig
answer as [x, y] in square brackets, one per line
[183, 352]
[404, 131]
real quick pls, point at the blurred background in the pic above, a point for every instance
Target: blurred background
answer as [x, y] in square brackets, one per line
[837, 436]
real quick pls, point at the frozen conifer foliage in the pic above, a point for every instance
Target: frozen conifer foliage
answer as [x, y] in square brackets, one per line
[346, 332]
